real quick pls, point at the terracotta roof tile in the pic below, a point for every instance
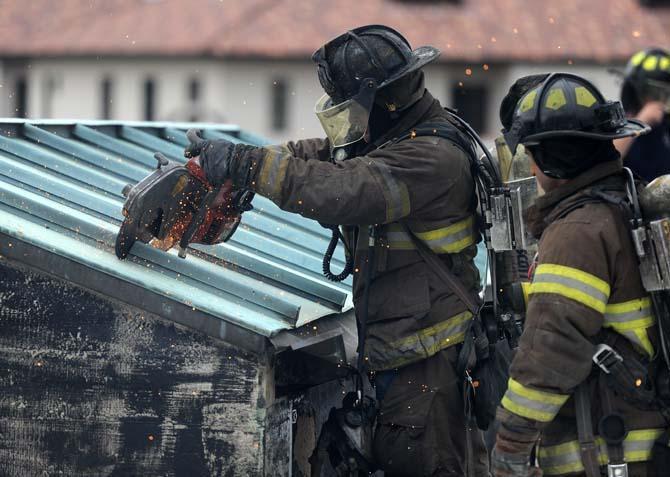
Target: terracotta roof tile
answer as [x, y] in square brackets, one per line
[472, 30]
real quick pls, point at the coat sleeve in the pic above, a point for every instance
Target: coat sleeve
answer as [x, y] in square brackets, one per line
[567, 300]
[381, 187]
[310, 149]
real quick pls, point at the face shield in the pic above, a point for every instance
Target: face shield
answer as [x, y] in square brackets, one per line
[508, 223]
[512, 166]
[347, 122]
[659, 91]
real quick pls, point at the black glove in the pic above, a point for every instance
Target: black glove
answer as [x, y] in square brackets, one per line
[197, 143]
[215, 156]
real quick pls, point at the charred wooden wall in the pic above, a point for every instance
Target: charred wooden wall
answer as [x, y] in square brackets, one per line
[90, 387]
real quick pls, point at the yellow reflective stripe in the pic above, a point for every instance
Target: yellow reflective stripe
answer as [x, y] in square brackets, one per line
[565, 458]
[443, 232]
[628, 306]
[428, 341]
[559, 449]
[561, 459]
[571, 283]
[567, 292]
[457, 246]
[536, 394]
[273, 171]
[575, 273]
[450, 239]
[632, 319]
[633, 325]
[532, 403]
[434, 330]
[525, 287]
[645, 343]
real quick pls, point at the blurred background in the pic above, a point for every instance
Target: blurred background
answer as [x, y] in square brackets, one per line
[248, 62]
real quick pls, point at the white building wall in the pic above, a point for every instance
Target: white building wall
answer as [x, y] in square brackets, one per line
[248, 91]
[240, 91]
[77, 87]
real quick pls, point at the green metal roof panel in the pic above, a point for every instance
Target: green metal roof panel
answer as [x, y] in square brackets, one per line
[60, 190]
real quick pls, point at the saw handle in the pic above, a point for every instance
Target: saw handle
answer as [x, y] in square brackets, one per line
[197, 221]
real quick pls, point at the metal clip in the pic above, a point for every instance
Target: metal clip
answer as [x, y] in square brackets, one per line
[603, 356]
[617, 470]
[639, 239]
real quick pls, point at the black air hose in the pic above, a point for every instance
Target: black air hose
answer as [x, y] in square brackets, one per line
[328, 257]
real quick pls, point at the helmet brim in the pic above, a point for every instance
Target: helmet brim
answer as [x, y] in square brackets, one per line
[632, 128]
[422, 56]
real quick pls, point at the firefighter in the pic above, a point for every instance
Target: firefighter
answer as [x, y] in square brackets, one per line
[361, 175]
[645, 95]
[588, 316]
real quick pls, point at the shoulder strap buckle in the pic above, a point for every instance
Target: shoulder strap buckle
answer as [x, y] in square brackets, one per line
[605, 357]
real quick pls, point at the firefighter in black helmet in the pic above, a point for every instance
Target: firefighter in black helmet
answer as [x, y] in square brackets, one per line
[645, 95]
[386, 185]
[589, 319]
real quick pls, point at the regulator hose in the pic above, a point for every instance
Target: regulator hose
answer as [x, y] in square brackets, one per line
[328, 257]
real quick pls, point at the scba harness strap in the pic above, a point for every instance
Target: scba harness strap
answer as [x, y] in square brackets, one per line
[443, 129]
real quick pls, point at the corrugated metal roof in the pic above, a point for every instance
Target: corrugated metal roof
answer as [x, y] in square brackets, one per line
[60, 190]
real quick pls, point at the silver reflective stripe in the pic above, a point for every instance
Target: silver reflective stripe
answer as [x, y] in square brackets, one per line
[428, 344]
[572, 283]
[628, 316]
[532, 403]
[452, 238]
[566, 458]
[547, 408]
[632, 319]
[428, 341]
[395, 193]
[568, 461]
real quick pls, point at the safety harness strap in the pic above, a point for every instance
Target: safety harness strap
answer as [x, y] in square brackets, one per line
[445, 130]
[444, 273]
[473, 306]
[587, 440]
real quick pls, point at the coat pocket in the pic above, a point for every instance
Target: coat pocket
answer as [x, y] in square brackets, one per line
[400, 294]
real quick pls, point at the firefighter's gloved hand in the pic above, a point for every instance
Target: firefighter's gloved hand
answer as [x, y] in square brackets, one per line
[505, 464]
[196, 143]
[215, 156]
[220, 159]
[516, 437]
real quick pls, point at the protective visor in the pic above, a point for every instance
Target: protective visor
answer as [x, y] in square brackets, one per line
[346, 122]
[512, 166]
[659, 91]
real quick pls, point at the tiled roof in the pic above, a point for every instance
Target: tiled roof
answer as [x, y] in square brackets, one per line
[60, 196]
[465, 30]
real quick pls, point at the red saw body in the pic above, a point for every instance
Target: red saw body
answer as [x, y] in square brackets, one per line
[176, 205]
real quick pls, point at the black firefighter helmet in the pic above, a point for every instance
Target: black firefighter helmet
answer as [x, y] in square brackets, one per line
[646, 78]
[353, 67]
[561, 105]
